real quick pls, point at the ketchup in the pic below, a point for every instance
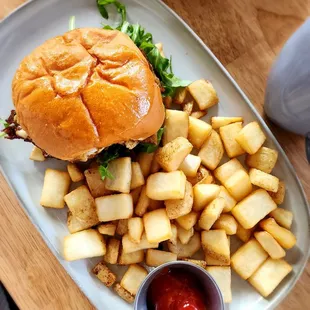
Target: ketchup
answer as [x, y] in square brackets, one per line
[176, 289]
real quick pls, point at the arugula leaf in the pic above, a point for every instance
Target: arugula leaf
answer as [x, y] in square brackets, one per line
[121, 9]
[104, 172]
[149, 147]
[4, 123]
[72, 23]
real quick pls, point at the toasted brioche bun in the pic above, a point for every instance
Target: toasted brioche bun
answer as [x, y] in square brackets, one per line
[83, 91]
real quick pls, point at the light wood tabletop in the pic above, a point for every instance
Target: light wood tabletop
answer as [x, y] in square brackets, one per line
[245, 35]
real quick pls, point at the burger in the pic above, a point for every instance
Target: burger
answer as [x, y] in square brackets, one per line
[79, 93]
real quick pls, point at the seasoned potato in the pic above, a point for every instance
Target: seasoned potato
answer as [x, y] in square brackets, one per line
[120, 168]
[145, 160]
[190, 165]
[107, 229]
[95, 184]
[264, 180]
[176, 125]
[56, 186]
[180, 95]
[135, 194]
[186, 250]
[122, 227]
[269, 275]
[230, 201]
[285, 238]
[155, 166]
[189, 220]
[198, 132]
[246, 260]
[75, 174]
[167, 102]
[156, 204]
[114, 207]
[220, 121]
[204, 94]
[133, 278]
[228, 134]
[188, 107]
[131, 258]
[129, 246]
[225, 171]
[279, 196]
[155, 258]
[222, 277]
[173, 153]
[251, 138]
[37, 154]
[253, 208]
[203, 176]
[200, 263]
[226, 222]
[215, 244]
[211, 261]
[283, 217]
[104, 274]
[157, 226]
[212, 151]
[239, 185]
[269, 244]
[244, 234]
[178, 207]
[264, 159]
[211, 213]
[199, 114]
[124, 294]
[84, 244]
[137, 178]
[135, 229]
[184, 235]
[143, 202]
[204, 194]
[111, 255]
[166, 185]
[76, 224]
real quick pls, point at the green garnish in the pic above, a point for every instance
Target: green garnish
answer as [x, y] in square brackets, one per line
[4, 123]
[149, 147]
[72, 23]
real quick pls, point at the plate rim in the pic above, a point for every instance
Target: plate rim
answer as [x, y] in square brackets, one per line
[281, 295]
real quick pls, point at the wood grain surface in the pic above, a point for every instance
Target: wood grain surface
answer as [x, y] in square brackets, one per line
[245, 35]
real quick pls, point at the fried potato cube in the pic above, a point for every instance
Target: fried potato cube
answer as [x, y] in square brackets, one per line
[104, 274]
[253, 208]
[157, 226]
[284, 237]
[56, 186]
[129, 246]
[178, 207]
[203, 176]
[211, 213]
[84, 244]
[114, 207]
[279, 196]
[112, 253]
[174, 238]
[198, 132]
[264, 180]
[222, 277]
[143, 202]
[167, 102]
[176, 125]
[133, 278]
[251, 138]
[230, 201]
[204, 194]
[156, 204]
[215, 244]
[186, 250]
[171, 156]
[124, 294]
[107, 229]
[135, 194]
[188, 107]
[155, 258]
[180, 95]
[244, 234]
[269, 275]
[122, 227]
[131, 258]
[225, 171]
[120, 168]
[145, 160]
[204, 94]
[75, 224]
[211, 261]
[199, 114]
[188, 221]
[283, 217]
[166, 185]
[200, 263]
[228, 134]
[135, 229]
[226, 222]
[269, 244]
[264, 159]
[247, 259]
[137, 178]
[220, 121]
[155, 166]
[75, 173]
[212, 151]
[185, 235]
[239, 185]
[95, 184]
[37, 154]
[190, 165]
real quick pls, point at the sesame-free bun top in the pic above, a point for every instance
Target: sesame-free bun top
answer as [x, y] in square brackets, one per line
[83, 91]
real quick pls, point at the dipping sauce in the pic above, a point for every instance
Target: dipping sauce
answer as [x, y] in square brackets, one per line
[176, 289]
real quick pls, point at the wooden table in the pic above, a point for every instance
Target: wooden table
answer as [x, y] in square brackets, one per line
[245, 35]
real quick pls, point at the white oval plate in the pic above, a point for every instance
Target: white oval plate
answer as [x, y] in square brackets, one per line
[39, 20]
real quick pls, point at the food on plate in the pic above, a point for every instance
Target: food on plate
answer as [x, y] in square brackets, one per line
[200, 263]
[226, 222]
[279, 196]
[185, 250]
[37, 154]
[190, 165]
[104, 274]
[184, 235]
[124, 294]
[131, 258]
[135, 229]
[137, 178]
[133, 278]
[220, 121]
[95, 183]
[75, 173]
[155, 258]
[188, 221]
[108, 229]
[122, 227]
[283, 217]
[129, 246]
[111, 255]
[198, 132]
[204, 194]
[264, 180]
[244, 234]
[230, 201]
[225, 171]
[174, 237]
